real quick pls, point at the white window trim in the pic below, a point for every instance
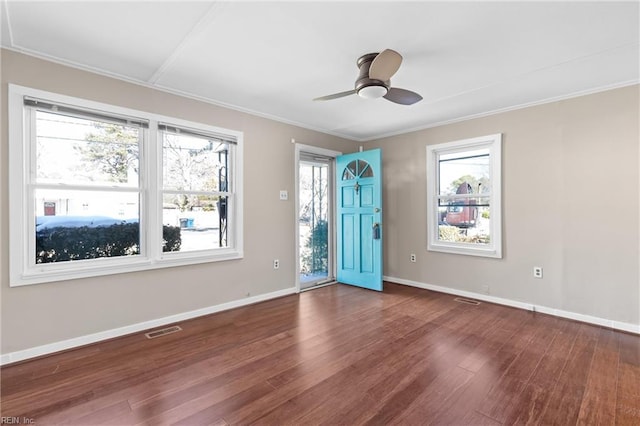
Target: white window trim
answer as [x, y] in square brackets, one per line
[494, 249]
[21, 231]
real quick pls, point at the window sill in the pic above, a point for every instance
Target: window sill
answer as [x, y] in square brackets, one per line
[465, 250]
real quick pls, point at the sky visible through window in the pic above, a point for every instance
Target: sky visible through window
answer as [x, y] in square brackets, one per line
[453, 167]
[65, 151]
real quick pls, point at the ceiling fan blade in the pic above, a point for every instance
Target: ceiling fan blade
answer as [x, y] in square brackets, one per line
[385, 65]
[402, 96]
[336, 95]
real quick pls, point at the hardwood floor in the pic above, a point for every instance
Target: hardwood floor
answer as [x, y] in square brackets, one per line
[342, 355]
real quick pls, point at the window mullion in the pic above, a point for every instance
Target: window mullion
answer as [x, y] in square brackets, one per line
[457, 196]
[186, 191]
[96, 188]
[151, 189]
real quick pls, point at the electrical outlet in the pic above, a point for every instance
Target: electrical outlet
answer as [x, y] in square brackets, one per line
[537, 272]
[284, 195]
[276, 264]
[413, 257]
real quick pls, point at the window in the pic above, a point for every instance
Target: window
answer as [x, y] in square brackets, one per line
[97, 189]
[463, 193]
[357, 169]
[195, 187]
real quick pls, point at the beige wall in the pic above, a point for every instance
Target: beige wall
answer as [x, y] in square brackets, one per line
[570, 205]
[45, 313]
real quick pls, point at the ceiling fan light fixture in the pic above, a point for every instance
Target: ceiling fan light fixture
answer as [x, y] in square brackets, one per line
[372, 92]
[374, 80]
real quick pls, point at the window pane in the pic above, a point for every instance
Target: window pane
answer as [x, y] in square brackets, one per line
[81, 151]
[347, 175]
[313, 222]
[77, 225]
[366, 170]
[202, 221]
[194, 164]
[350, 172]
[464, 220]
[464, 173]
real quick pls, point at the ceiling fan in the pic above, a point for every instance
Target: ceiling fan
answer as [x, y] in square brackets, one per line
[376, 70]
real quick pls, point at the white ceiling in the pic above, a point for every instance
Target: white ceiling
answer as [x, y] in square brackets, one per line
[272, 58]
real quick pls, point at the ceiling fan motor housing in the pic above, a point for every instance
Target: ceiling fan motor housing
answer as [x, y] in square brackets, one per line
[369, 87]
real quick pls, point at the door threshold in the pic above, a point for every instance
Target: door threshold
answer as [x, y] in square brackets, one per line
[318, 286]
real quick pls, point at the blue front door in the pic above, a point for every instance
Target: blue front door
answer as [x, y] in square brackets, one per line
[359, 219]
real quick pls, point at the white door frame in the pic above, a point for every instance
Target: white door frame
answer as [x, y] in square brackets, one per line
[331, 182]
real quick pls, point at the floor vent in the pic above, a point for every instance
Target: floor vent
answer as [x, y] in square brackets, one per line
[467, 301]
[162, 332]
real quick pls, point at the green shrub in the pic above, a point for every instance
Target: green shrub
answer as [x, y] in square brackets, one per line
[61, 243]
[171, 240]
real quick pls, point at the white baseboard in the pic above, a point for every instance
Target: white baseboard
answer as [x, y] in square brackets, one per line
[616, 325]
[134, 328]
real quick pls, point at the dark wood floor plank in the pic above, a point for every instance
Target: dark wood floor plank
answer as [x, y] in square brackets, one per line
[493, 338]
[428, 393]
[216, 412]
[309, 379]
[531, 403]
[498, 397]
[526, 349]
[566, 399]
[400, 364]
[106, 415]
[342, 355]
[628, 381]
[548, 371]
[445, 348]
[533, 399]
[408, 360]
[400, 361]
[239, 379]
[489, 361]
[599, 399]
[629, 349]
